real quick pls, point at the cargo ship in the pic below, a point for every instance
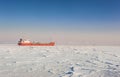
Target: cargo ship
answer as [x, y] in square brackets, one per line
[22, 42]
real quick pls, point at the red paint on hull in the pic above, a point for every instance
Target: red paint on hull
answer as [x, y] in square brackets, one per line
[37, 44]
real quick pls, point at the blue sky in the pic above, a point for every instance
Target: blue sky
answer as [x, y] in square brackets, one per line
[64, 21]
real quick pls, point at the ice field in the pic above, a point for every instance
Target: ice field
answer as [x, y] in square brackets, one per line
[59, 61]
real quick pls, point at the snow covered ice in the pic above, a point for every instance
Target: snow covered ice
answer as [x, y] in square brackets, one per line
[59, 61]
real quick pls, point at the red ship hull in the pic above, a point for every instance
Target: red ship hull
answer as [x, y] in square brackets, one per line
[37, 44]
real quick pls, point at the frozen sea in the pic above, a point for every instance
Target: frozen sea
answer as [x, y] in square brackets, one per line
[59, 61]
